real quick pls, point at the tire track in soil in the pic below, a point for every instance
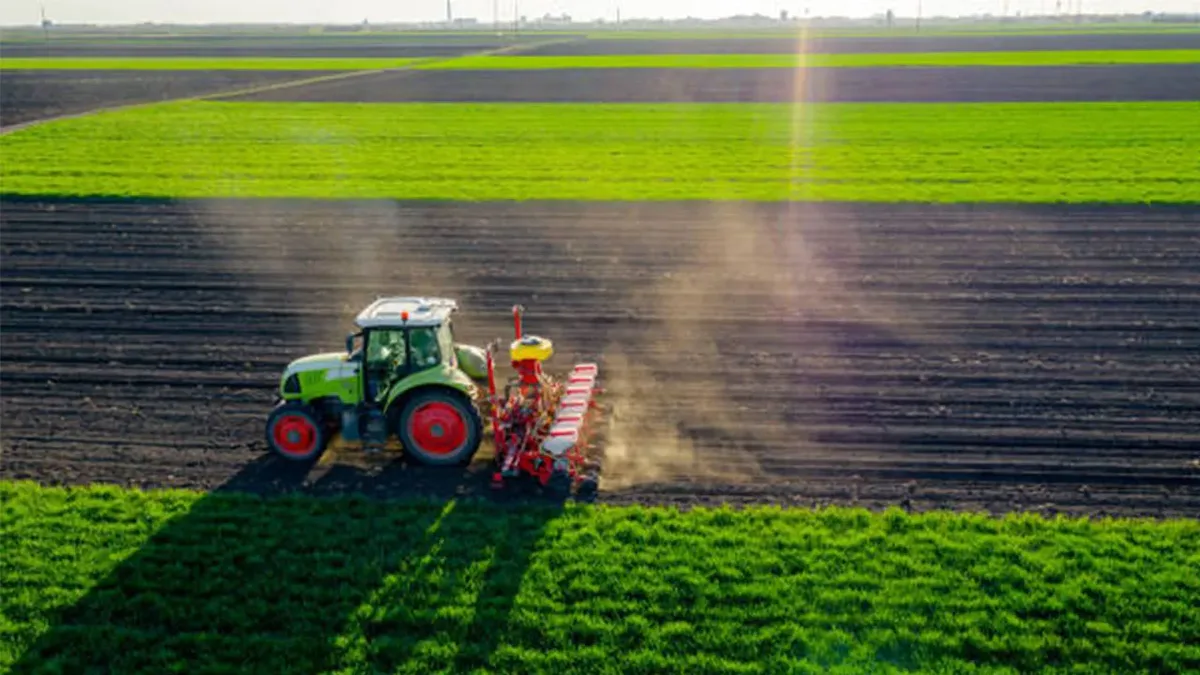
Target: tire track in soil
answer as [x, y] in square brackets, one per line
[964, 357]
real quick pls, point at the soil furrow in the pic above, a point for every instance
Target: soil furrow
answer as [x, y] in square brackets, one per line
[993, 357]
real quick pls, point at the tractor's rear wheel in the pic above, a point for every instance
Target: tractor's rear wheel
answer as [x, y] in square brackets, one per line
[296, 432]
[440, 428]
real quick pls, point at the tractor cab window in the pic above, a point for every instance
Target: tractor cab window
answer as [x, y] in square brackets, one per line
[385, 352]
[386, 346]
[386, 360]
[425, 351]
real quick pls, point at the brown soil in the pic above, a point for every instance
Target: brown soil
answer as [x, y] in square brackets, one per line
[950, 357]
[619, 85]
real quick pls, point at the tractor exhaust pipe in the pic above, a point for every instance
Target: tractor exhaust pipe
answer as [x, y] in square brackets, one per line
[491, 372]
[517, 311]
[497, 432]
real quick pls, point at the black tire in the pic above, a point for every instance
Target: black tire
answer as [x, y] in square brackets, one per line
[305, 440]
[588, 489]
[427, 415]
[559, 485]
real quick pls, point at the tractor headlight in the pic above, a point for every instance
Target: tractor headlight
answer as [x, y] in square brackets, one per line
[292, 384]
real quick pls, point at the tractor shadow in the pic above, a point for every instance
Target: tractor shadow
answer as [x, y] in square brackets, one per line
[272, 574]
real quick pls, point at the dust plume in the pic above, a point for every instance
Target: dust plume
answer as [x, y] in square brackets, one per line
[682, 400]
[644, 442]
[731, 339]
[315, 266]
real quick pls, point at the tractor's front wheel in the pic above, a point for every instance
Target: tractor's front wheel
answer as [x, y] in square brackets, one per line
[440, 428]
[295, 432]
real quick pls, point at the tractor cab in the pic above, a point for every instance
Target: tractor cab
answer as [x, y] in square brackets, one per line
[402, 375]
[400, 337]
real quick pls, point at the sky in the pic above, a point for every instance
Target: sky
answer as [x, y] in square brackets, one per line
[25, 12]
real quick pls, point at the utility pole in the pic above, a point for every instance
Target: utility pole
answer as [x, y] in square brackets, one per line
[918, 16]
[449, 15]
[45, 30]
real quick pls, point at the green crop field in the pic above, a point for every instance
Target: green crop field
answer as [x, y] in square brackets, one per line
[928, 59]
[1126, 152]
[201, 63]
[169, 581]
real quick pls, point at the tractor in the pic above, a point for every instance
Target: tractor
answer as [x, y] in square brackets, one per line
[403, 375]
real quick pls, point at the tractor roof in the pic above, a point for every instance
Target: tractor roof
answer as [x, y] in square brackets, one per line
[389, 311]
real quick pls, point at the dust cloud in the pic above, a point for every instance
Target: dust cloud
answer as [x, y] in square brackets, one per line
[319, 265]
[762, 300]
[677, 414]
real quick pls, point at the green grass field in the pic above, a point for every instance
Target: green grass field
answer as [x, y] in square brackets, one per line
[1139, 152]
[928, 59]
[158, 582]
[201, 63]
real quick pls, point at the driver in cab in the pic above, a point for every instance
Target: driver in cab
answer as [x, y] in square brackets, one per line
[387, 362]
[424, 349]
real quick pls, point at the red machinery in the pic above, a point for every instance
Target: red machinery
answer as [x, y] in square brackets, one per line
[542, 425]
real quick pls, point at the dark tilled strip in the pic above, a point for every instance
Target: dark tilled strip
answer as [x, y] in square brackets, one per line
[376, 49]
[161, 373]
[27, 95]
[873, 45]
[1164, 82]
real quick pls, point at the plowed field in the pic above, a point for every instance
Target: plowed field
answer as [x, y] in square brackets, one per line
[1159, 82]
[828, 44]
[978, 357]
[442, 45]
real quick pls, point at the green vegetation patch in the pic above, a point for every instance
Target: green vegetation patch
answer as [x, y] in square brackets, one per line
[200, 63]
[928, 59]
[127, 581]
[1027, 152]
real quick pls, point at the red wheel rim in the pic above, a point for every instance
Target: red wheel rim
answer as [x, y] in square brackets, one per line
[438, 428]
[295, 435]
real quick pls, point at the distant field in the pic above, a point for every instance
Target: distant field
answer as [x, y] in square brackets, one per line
[896, 42]
[30, 95]
[735, 61]
[202, 63]
[904, 25]
[930, 59]
[1138, 152]
[175, 580]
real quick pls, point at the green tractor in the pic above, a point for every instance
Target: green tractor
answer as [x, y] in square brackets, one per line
[401, 374]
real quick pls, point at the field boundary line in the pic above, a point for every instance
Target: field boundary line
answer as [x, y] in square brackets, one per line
[418, 64]
[183, 99]
[290, 83]
[508, 49]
